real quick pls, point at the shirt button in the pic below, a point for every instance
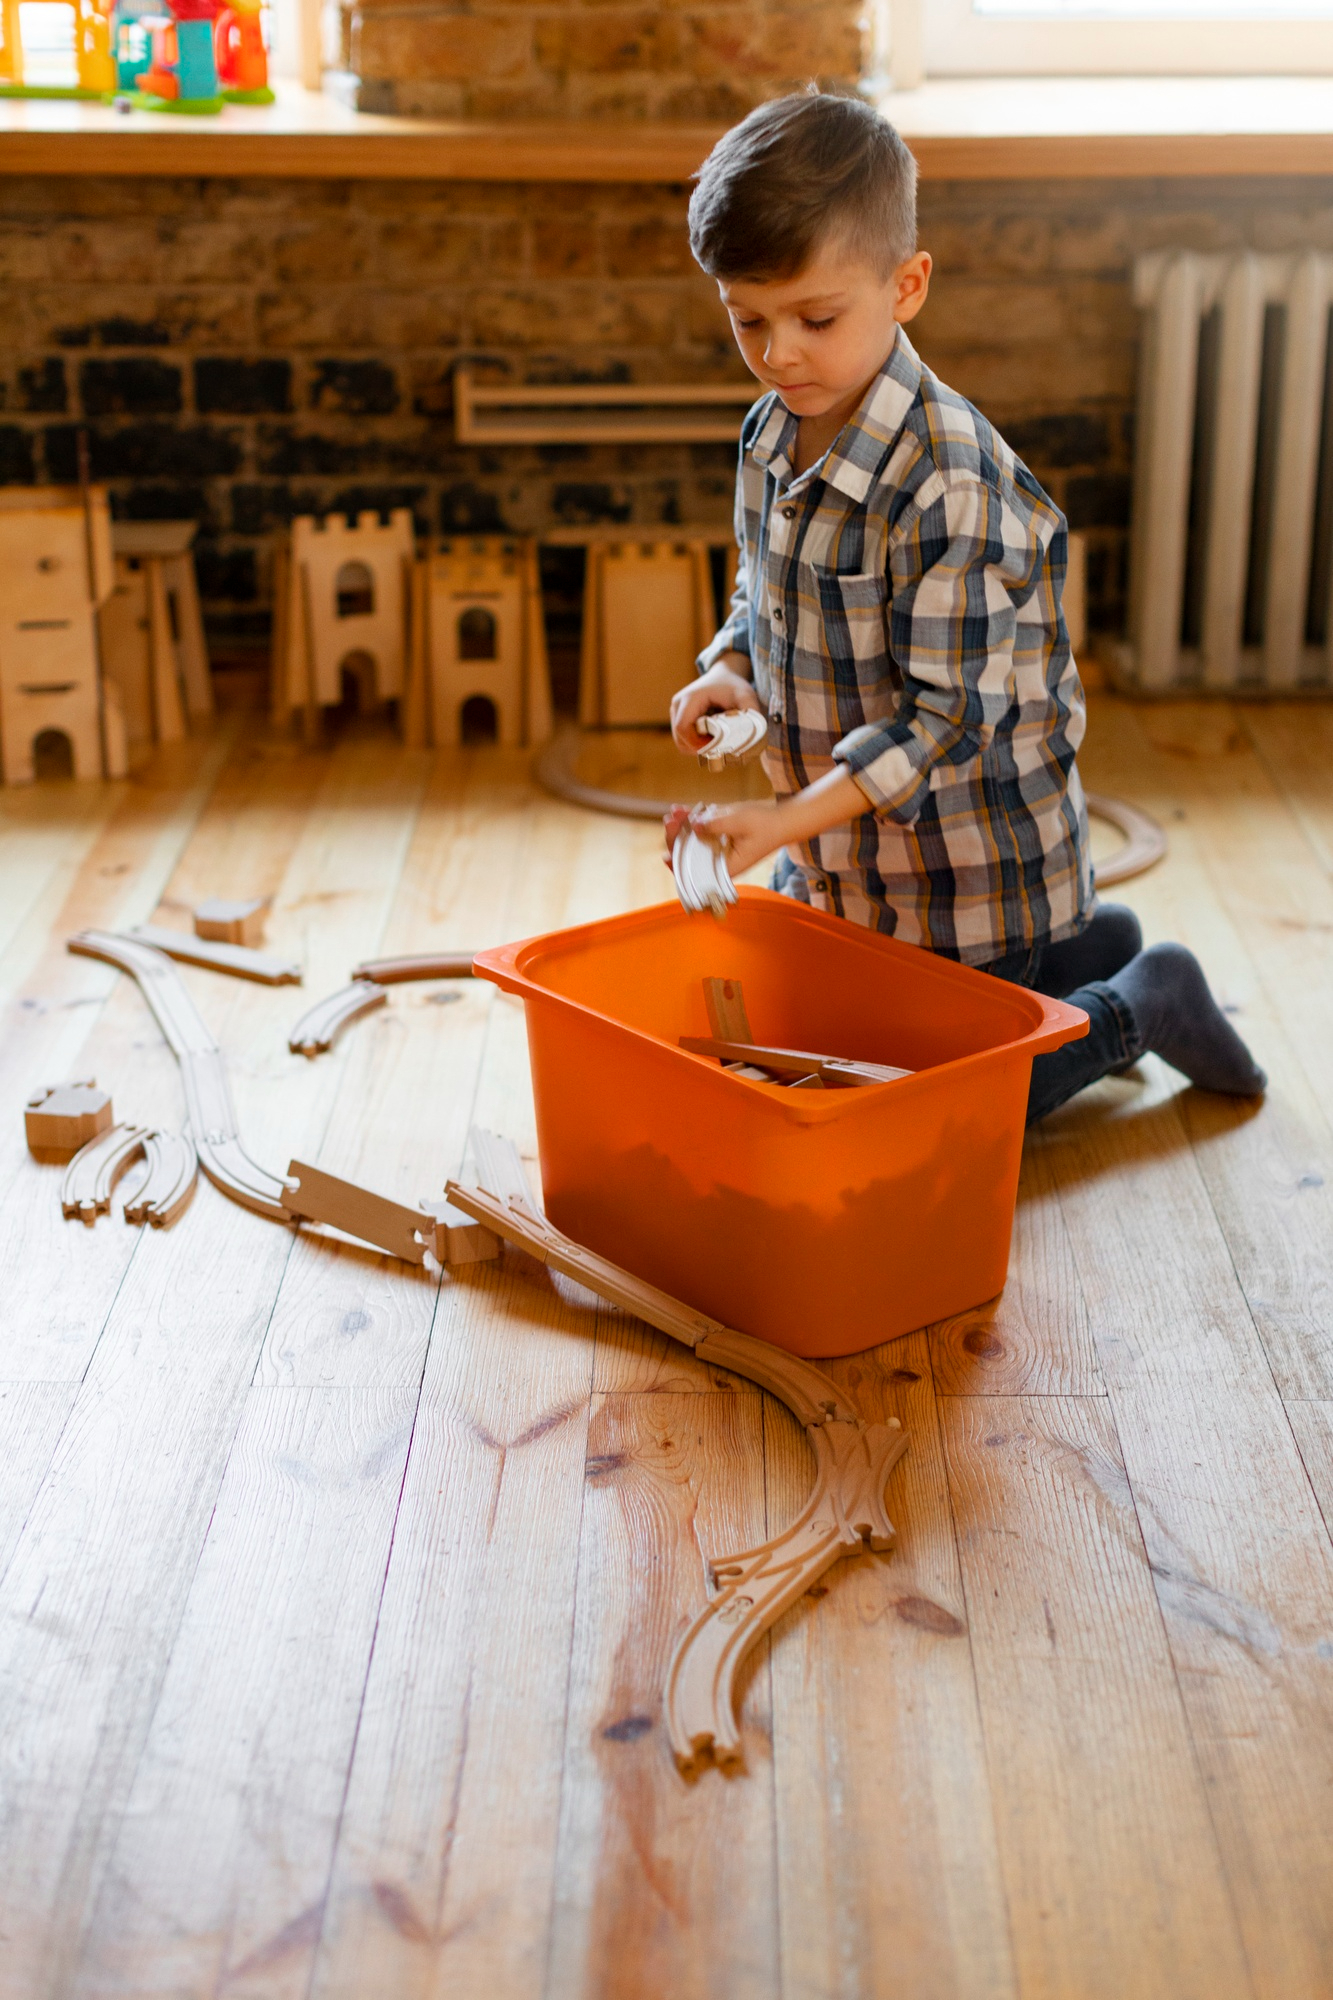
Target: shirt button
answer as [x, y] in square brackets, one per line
[789, 513]
[777, 614]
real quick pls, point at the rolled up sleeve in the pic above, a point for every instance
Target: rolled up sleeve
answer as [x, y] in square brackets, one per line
[960, 567]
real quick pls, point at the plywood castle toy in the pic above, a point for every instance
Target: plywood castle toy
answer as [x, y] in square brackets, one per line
[482, 642]
[342, 593]
[55, 569]
[152, 632]
[647, 611]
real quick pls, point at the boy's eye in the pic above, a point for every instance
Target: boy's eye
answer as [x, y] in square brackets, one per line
[748, 324]
[818, 325]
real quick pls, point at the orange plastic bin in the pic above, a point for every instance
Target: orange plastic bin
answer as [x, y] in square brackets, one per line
[824, 1221]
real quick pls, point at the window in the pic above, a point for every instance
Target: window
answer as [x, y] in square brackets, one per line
[1120, 37]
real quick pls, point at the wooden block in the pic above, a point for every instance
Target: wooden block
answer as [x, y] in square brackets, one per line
[727, 1017]
[64, 1117]
[231, 923]
[234, 958]
[459, 1238]
[311, 1195]
[835, 1072]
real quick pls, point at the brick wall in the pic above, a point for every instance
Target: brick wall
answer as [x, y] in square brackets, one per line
[711, 60]
[240, 351]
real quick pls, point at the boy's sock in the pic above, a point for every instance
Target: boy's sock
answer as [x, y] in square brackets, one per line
[1180, 1021]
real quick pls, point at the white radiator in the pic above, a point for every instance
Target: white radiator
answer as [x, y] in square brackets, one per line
[1233, 484]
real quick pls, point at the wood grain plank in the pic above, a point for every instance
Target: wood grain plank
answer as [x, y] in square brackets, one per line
[56, 1023]
[1113, 1877]
[1295, 741]
[1034, 1339]
[1237, 1549]
[443, 1877]
[45, 834]
[217, 1880]
[1312, 1424]
[653, 1870]
[1268, 1169]
[111, 1547]
[32, 1416]
[888, 1871]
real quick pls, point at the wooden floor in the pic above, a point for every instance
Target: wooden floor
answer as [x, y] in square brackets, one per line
[335, 1599]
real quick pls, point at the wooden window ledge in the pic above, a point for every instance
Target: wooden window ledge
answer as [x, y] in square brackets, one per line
[1007, 128]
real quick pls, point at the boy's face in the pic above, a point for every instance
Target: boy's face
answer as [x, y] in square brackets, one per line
[821, 337]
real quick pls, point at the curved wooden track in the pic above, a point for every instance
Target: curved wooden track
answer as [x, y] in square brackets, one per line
[203, 1074]
[1145, 840]
[843, 1513]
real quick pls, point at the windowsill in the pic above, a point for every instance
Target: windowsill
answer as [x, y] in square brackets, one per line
[1003, 128]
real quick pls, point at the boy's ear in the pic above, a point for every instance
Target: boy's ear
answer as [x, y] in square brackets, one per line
[911, 282]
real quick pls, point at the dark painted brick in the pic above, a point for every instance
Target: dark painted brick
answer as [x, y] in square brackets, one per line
[44, 388]
[131, 333]
[582, 502]
[285, 454]
[1098, 500]
[17, 466]
[470, 510]
[61, 453]
[354, 388]
[153, 501]
[245, 388]
[130, 388]
[255, 509]
[1076, 438]
[354, 500]
[230, 574]
[163, 451]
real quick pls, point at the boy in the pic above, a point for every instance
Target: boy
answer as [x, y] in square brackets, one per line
[897, 615]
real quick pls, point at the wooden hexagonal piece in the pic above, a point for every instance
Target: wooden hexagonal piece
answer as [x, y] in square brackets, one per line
[65, 1116]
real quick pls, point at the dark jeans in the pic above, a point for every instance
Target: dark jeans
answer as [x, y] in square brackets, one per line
[1077, 970]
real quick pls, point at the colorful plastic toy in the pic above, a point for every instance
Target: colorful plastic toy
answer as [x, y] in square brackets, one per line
[182, 75]
[95, 67]
[242, 59]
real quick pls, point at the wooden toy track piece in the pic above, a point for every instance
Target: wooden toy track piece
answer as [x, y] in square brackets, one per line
[431, 965]
[62, 1117]
[845, 1509]
[738, 734]
[699, 868]
[311, 1195]
[834, 1072]
[234, 958]
[228, 922]
[727, 1017]
[173, 1172]
[208, 1103]
[320, 1026]
[1145, 840]
[93, 1172]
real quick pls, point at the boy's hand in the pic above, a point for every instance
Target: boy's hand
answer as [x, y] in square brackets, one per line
[750, 831]
[721, 688]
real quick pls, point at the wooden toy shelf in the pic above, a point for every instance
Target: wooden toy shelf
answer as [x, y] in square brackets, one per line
[1002, 128]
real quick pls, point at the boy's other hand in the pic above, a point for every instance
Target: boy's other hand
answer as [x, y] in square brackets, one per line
[749, 831]
[721, 688]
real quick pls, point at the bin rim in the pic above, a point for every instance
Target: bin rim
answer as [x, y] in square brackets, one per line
[1055, 1024]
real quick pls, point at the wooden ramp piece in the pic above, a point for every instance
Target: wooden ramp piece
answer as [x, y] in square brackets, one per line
[843, 1513]
[311, 1195]
[234, 958]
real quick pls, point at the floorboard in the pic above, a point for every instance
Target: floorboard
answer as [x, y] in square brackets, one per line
[335, 1596]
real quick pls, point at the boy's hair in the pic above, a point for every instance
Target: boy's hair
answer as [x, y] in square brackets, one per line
[797, 172]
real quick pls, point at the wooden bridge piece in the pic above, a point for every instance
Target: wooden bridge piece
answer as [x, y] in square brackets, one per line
[845, 1509]
[311, 1195]
[208, 1103]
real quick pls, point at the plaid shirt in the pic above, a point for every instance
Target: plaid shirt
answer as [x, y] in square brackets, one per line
[900, 606]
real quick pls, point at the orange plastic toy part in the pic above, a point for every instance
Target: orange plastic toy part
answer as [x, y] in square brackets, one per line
[238, 42]
[825, 1222]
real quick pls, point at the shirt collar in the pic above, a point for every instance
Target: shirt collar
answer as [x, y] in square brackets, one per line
[854, 460]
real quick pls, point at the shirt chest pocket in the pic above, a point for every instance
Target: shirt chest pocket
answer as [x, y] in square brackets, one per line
[854, 633]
